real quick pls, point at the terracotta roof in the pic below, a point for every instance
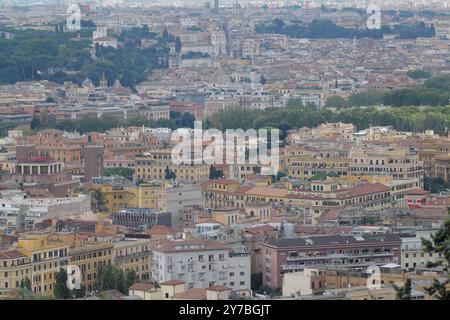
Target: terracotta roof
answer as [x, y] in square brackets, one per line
[418, 192]
[161, 229]
[218, 288]
[364, 189]
[113, 294]
[267, 191]
[13, 254]
[191, 294]
[140, 286]
[171, 283]
[260, 229]
[223, 181]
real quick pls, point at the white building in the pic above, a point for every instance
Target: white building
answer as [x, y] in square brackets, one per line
[413, 255]
[101, 32]
[201, 264]
[219, 43]
[16, 212]
[298, 283]
[181, 196]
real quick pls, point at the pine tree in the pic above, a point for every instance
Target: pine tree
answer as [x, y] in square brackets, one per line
[440, 243]
[130, 279]
[403, 293]
[119, 282]
[25, 283]
[106, 278]
[61, 291]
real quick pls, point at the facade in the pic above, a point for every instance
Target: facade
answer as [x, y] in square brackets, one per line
[287, 255]
[180, 196]
[93, 158]
[201, 264]
[413, 254]
[153, 167]
[133, 255]
[91, 258]
[47, 258]
[398, 163]
[45, 174]
[14, 267]
[20, 213]
[141, 218]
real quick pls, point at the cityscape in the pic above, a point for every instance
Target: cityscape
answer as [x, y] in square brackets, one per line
[239, 150]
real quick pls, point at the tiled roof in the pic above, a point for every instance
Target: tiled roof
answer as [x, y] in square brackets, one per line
[218, 288]
[191, 294]
[140, 286]
[13, 254]
[171, 283]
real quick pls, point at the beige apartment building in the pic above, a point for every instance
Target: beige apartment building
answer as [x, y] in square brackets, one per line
[400, 163]
[153, 165]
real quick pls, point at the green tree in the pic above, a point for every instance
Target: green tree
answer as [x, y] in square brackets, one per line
[419, 74]
[61, 291]
[119, 171]
[25, 283]
[435, 185]
[403, 293]
[256, 281]
[440, 244]
[130, 279]
[215, 174]
[177, 45]
[294, 103]
[107, 278]
[119, 282]
[336, 102]
[98, 199]
[169, 174]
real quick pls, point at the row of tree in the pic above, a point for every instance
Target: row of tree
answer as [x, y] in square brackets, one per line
[434, 92]
[411, 119]
[327, 29]
[104, 123]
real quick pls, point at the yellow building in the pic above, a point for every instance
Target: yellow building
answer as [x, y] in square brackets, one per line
[116, 198]
[228, 216]
[14, 267]
[148, 291]
[91, 258]
[47, 258]
[150, 195]
[130, 255]
[153, 167]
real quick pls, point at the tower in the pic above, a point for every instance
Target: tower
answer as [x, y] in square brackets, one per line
[103, 81]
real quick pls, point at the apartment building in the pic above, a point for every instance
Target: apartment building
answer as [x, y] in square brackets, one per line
[201, 264]
[179, 196]
[91, 258]
[287, 255]
[14, 267]
[133, 255]
[153, 165]
[400, 163]
[47, 258]
[413, 254]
